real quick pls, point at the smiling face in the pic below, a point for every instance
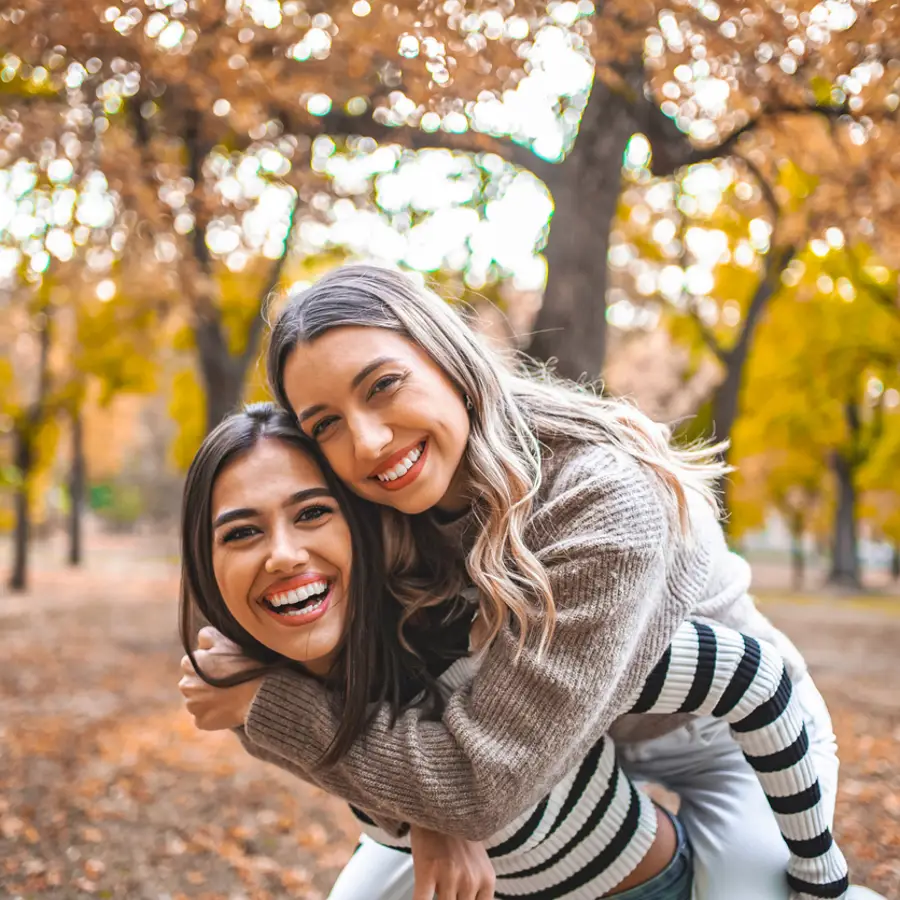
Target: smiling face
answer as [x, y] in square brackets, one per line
[282, 552]
[389, 421]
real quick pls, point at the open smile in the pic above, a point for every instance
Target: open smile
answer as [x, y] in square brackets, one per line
[403, 468]
[300, 605]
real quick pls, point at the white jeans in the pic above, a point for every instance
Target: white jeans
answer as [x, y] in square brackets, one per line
[739, 854]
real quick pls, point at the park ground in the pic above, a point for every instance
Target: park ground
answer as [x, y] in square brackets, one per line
[107, 790]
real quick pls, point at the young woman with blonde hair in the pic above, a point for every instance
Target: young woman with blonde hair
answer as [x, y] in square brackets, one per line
[290, 566]
[587, 539]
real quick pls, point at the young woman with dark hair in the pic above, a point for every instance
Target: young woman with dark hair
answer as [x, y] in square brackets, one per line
[289, 568]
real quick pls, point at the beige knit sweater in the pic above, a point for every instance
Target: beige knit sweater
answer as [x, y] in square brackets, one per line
[623, 577]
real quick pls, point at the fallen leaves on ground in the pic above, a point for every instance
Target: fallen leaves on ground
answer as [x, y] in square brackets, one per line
[108, 791]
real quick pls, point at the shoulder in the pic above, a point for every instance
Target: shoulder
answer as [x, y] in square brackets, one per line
[599, 488]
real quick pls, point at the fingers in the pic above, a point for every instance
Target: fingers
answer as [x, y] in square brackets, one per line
[424, 889]
[449, 887]
[209, 638]
[206, 637]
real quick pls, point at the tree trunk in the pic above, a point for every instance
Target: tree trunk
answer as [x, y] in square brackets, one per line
[222, 373]
[76, 491]
[725, 404]
[844, 552]
[22, 531]
[895, 562]
[726, 400]
[23, 459]
[571, 324]
[798, 558]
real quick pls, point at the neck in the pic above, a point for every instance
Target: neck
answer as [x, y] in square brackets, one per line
[458, 497]
[321, 667]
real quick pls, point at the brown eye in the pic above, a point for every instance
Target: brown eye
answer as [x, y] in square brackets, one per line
[320, 427]
[313, 513]
[385, 383]
[240, 533]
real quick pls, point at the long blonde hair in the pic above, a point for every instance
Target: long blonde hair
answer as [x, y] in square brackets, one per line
[513, 413]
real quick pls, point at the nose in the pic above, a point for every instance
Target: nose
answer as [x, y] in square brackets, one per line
[371, 437]
[286, 552]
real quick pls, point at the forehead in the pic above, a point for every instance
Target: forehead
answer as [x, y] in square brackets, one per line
[331, 361]
[269, 473]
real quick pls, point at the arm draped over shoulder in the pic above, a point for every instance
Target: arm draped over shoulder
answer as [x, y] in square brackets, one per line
[623, 579]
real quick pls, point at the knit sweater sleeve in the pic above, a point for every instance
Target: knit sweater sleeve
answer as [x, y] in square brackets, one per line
[604, 536]
[711, 670]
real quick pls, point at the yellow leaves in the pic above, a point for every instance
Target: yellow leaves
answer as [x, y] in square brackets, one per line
[187, 407]
[40, 478]
[239, 302]
[7, 387]
[821, 90]
[814, 355]
[734, 283]
[312, 266]
[882, 469]
[120, 354]
[793, 185]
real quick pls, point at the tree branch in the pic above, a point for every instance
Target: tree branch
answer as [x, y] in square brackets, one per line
[703, 329]
[764, 186]
[195, 156]
[143, 140]
[672, 159]
[709, 337]
[275, 273]
[339, 122]
[878, 292]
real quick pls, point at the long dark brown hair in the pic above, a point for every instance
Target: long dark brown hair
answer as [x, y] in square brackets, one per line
[371, 665]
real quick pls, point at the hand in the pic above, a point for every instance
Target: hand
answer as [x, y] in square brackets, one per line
[215, 708]
[449, 868]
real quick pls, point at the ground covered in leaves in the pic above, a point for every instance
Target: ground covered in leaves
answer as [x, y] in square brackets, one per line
[107, 790]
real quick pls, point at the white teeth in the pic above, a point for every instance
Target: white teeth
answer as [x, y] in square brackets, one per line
[402, 467]
[306, 609]
[299, 595]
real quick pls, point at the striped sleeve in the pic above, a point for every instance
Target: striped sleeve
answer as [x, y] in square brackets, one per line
[711, 670]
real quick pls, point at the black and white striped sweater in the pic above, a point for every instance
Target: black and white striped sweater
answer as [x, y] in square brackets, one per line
[594, 827]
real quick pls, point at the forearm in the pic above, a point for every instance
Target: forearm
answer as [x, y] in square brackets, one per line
[527, 717]
[503, 741]
[392, 828]
[711, 670]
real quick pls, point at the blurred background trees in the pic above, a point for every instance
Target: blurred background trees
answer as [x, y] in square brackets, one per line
[693, 200]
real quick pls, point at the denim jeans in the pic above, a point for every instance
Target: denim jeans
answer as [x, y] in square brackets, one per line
[676, 880]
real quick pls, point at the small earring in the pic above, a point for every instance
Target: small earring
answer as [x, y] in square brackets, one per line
[468, 402]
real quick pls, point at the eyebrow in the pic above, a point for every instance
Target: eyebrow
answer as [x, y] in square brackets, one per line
[358, 379]
[367, 370]
[231, 515]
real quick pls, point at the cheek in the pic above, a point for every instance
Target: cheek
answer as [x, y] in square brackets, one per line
[458, 426]
[342, 556]
[338, 453]
[234, 580]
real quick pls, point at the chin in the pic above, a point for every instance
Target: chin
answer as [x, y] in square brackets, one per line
[414, 506]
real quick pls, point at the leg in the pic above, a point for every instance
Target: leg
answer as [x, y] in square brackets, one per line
[738, 851]
[822, 742]
[376, 873]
